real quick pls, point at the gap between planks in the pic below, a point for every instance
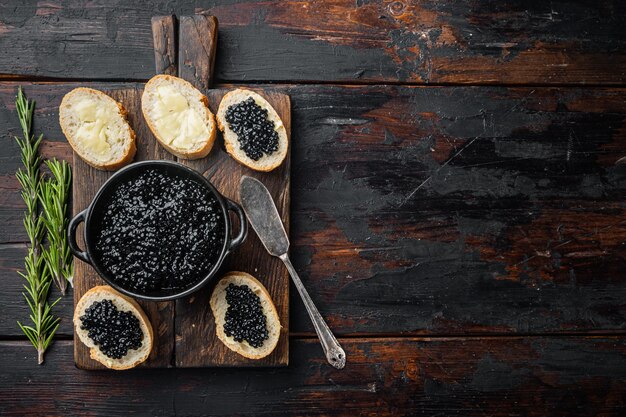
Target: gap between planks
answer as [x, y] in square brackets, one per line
[395, 336]
[355, 83]
[70, 341]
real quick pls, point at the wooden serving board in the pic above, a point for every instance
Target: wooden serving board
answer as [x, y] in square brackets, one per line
[185, 329]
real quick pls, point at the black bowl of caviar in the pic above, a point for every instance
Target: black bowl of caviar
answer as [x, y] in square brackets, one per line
[157, 230]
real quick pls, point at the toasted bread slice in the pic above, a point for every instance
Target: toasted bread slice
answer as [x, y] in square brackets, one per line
[231, 141]
[95, 126]
[219, 306]
[123, 303]
[179, 116]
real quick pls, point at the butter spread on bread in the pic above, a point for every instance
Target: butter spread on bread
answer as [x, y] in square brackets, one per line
[95, 126]
[179, 124]
[178, 116]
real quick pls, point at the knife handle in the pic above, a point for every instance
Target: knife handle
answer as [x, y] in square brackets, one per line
[332, 349]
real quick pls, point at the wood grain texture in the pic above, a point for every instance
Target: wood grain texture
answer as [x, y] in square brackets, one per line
[165, 39]
[87, 181]
[416, 41]
[196, 341]
[518, 229]
[196, 55]
[497, 377]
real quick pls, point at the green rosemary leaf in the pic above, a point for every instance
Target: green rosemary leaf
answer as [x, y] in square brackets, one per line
[51, 333]
[29, 332]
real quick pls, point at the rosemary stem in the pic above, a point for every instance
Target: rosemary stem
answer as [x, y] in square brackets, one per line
[37, 273]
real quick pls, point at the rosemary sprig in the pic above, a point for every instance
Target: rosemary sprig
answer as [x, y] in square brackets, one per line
[37, 276]
[53, 196]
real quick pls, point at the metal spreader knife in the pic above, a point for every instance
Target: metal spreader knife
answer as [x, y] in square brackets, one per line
[261, 211]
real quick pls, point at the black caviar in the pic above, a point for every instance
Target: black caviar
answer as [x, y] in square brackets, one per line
[255, 132]
[114, 332]
[159, 232]
[245, 319]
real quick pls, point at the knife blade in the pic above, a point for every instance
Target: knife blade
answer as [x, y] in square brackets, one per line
[261, 211]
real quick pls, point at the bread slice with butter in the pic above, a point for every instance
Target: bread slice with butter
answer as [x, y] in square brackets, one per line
[179, 116]
[95, 125]
[255, 122]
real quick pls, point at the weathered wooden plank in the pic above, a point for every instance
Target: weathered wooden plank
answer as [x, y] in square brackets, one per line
[197, 344]
[196, 55]
[433, 210]
[86, 182]
[164, 37]
[383, 377]
[420, 41]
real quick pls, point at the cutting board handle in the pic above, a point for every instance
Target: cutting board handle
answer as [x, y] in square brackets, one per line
[165, 41]
[186, 49]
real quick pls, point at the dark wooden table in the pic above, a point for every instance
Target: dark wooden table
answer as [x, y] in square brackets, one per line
[458, 206]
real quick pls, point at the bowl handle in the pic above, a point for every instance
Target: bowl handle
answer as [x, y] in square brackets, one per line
[243, 225]
[71, 237]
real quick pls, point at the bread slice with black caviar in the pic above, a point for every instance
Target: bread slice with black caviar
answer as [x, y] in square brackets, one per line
[122, 304]
[220, 308]
[255, 145]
